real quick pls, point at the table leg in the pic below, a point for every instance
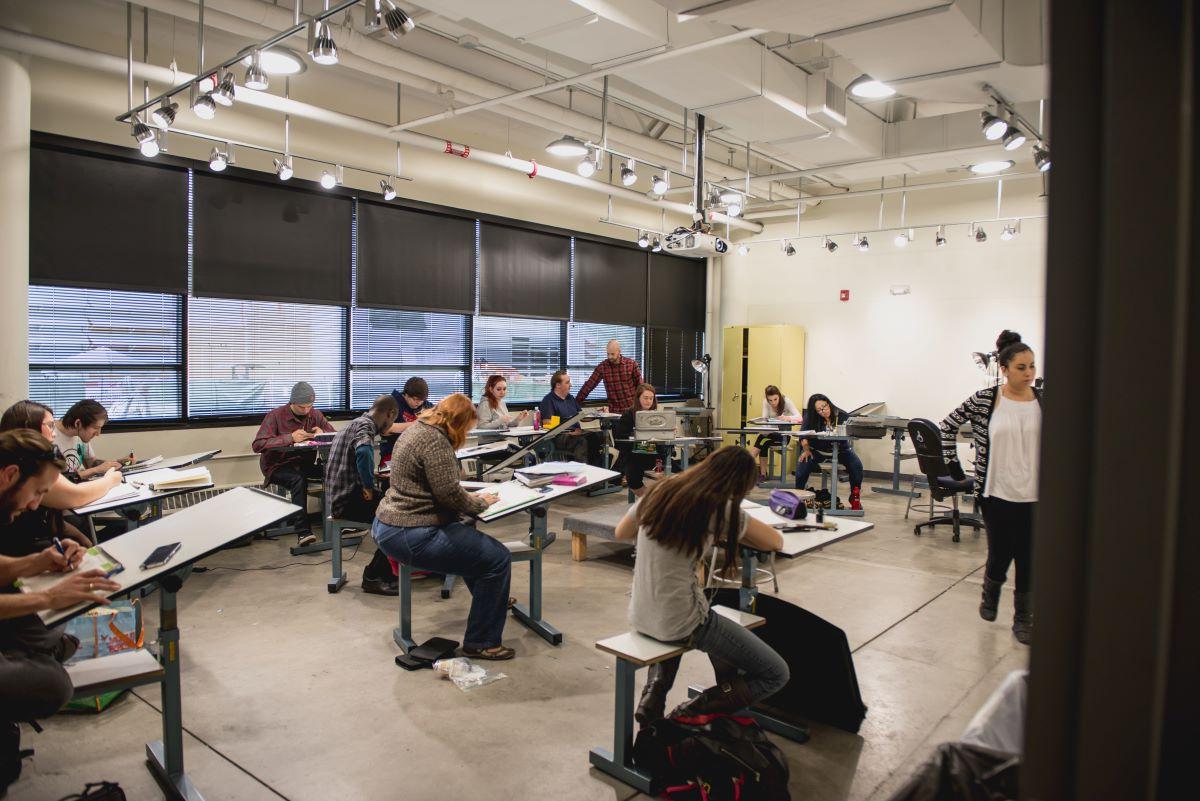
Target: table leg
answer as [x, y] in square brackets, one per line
[608, 486]
[333, 535]
[531, 616]
[618, 762]
[748, 594]
[165, 757]
[402, 634]
[897, 459]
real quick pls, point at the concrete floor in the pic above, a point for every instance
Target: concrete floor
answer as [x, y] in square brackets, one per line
[290, 692]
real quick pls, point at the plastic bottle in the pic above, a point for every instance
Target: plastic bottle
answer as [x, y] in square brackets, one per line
[537, 419]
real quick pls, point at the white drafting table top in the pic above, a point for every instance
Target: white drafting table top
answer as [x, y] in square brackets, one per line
[593, 475]
[798, 543]
[202, 529]
[480, 450]
[187, 460]
[144, 495]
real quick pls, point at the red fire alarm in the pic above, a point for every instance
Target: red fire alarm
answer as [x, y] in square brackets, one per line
[844, 294]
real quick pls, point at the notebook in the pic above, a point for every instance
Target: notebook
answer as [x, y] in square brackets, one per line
[95, 558]
[168, 478]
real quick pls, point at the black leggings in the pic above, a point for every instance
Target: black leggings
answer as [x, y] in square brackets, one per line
[1010, 539]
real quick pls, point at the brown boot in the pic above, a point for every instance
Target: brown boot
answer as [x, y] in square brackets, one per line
[660, 678]
[1023, 617]
[722, 699]
[990, 598]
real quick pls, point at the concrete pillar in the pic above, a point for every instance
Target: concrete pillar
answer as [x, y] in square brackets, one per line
[14, 229]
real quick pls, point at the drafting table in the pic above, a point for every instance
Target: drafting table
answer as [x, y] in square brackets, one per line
[144, 495]
[187, 460]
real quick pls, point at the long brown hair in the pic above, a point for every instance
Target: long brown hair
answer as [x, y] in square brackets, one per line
[637, 397]
[774, 390]
[680, 510]
[454, 414]
[24, 414]
[489, 391]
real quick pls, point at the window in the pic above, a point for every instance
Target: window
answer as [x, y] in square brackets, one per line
[387, 347]
[245, 355]
[526, 352]
[120, 348]
[669, 356]
[587, 346]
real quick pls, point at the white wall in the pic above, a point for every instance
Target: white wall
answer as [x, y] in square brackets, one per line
[911, 351]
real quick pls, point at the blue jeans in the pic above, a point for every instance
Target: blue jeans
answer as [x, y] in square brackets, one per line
[731, 646]
[484, 564]
[846, 456]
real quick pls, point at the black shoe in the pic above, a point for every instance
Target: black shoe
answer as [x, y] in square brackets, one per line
[1023, 617]
[659, 679]
[380, 586]
[990, 599]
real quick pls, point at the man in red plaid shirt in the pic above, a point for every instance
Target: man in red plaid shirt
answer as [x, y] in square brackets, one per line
[620, 375]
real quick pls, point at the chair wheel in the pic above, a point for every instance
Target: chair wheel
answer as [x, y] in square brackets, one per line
[955, 538]
[917, 530]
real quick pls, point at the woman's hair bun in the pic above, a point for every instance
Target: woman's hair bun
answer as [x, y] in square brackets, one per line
[1007, 338]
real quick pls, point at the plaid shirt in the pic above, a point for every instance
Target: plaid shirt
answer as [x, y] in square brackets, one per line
[342, 481]
[276, 432]
[620, 381]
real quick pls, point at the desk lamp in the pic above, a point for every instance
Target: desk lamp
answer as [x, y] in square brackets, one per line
[701, 366]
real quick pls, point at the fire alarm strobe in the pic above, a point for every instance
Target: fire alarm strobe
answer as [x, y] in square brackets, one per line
[845, 294]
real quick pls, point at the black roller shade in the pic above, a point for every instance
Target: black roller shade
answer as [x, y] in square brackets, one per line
[257, 241]
[610, 284]
[106, 223]
[524, 273]
[677, 292]
[415, 260]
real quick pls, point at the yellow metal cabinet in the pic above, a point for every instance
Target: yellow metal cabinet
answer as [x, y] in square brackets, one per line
[754, 357]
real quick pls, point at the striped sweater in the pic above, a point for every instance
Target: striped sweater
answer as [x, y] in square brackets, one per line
[976, 410]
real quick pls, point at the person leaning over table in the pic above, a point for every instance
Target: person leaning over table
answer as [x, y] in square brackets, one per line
[290, 424]
[775, 406]
[634, 465]
[821, 415]
[621, 376]
[33, 683]
[560, 403]
[413, 400]
[73, 436]
[32, 530]
[350, 488]
[419, 523]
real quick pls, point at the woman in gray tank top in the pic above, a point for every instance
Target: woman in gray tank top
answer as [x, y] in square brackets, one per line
[675, 524]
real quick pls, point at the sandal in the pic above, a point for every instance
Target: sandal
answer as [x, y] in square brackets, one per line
[496, 653]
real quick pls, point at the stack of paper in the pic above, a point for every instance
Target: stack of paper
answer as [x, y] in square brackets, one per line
[511, 495]
[168, 478]
[539, 475]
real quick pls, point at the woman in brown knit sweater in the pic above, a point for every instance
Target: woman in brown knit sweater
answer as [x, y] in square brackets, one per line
[418, 521]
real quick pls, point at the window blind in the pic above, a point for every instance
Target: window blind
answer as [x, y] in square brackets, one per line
[122, 349]
[526, 352]
[387, 347]
[669, 356]
[587, 346]
[678, 287]
[244, 356]
[524, 273]
[610, 284]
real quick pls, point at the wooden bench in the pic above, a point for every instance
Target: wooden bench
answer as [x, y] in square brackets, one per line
[600, 522]
[119, 671]
[633, 651]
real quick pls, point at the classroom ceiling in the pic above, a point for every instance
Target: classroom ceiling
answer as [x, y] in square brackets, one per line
[777, 92]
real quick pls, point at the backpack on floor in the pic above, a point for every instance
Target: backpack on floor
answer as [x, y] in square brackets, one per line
[711, 757]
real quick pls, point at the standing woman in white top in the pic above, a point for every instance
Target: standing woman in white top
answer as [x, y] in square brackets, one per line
[492, 411]
[775, 405]
[1007, 426]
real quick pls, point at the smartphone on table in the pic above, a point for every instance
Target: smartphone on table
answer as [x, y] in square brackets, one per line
[161, 555]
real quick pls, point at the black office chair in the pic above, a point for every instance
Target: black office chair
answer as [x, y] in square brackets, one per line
[927, 442]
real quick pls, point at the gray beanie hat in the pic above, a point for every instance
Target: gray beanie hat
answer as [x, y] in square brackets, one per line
[303, 393]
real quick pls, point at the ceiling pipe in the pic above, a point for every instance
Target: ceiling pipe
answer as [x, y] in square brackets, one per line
[615, 69]
[115, 65]
[257, 20]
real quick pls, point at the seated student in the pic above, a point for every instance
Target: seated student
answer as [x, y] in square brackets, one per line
[675, 525]
[418, 522]
[492, 411]
[33, 683]
[32, 529]
[412, 400]
[634, 465]
[290, 424]
[350, 488]
[822, 415]
[559, 402]
[775, 405]
[73, 436]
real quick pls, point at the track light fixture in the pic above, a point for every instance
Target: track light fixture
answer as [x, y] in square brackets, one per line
[164, 115]
[789, 249]
[283, 168]
[939, 239]
[204, 107]
[322, 49]
[1013, 138]
[398, 23]
[567, 146]
[980, 235]
[1041, 157]
[1008, 233]
[328, 179]
[387, 190]
[657, 246]
[643, 240]
[743, 249]
[862, 244]
[223, 94]
[830, 245]
[590, 163]
[256, 78]
[628, 173]
[218, 159]
[901, 240]
[661, 183]
[993, 127]
[147, 139]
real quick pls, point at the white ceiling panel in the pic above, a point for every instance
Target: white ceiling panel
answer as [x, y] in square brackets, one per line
[596, 42]
[799, 17]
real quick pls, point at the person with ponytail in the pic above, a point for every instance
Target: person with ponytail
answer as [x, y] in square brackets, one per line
[1006, 422]
[675, 524]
